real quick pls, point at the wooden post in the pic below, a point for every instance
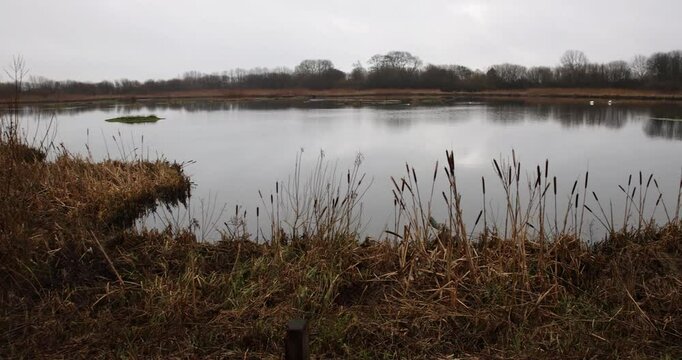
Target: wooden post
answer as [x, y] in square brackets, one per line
[296, 346]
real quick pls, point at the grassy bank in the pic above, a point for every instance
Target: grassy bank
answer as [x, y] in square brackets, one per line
[366, 94]
[79, 281]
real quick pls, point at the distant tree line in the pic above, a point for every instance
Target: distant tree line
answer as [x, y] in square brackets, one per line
[395, 69]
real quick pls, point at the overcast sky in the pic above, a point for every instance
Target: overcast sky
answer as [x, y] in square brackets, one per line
[141, 39]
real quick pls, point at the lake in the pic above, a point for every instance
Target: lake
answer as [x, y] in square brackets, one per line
[235, 149]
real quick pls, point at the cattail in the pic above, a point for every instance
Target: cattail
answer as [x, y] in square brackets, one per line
[414, 176]
[629, 179]
[577, 196]
[546, 168]
[648, 182]
[258, 210]
[446, 198]
[451, 161]
[574, 185]
[595, 196]
[394, 183]
[497, 168]
[483, 184]
[537, 182]
[435, 171]
[587, 176]
[277, 187]
[554, 185]
[478, 218]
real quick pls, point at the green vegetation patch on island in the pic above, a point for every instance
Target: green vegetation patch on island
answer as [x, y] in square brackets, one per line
[135, 119]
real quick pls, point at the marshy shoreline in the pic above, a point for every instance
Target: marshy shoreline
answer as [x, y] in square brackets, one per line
[366, 96]
[81, 281]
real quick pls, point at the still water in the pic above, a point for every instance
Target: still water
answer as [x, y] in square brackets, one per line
[233, 150]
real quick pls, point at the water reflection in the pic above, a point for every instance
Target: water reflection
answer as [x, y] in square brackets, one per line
[404, 114]
[569, 115]
[667, 129]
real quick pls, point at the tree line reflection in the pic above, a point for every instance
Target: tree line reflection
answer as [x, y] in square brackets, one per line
[659, 120]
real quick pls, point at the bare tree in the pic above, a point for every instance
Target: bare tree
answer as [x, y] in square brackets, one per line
[638, 67]
[573, 66]
[395, 60]
[617, 71]
[574, 60]
[358, 74]
[540, 75]
[313, 67]
[510, 74]
[16, 71]
[9, 125]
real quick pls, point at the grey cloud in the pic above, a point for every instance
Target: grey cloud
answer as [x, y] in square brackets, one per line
[141, 39]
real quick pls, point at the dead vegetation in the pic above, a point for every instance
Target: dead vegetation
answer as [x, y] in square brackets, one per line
[78, 281]
[369, 95]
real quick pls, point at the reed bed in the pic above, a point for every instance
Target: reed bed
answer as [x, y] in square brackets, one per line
[80, 281]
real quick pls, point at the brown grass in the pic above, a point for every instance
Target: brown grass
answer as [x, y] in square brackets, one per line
[251, 94]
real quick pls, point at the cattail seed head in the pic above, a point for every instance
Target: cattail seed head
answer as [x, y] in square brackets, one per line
[554, 181]
[587, 177]
[497, 168]
[435, 171]
[478, 218]
[546, 168]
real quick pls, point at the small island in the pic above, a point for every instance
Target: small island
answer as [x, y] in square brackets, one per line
[135, 119]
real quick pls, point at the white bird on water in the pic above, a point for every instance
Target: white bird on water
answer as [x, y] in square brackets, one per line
[591, 102]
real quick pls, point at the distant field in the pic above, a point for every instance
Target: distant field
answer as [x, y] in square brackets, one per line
[566, 93]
